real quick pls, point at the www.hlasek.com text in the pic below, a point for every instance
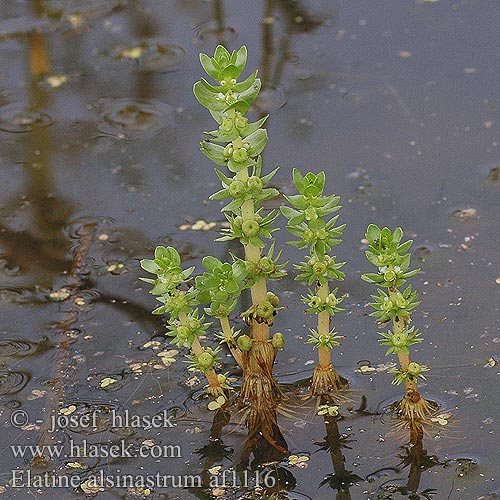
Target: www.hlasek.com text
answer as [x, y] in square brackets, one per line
[84, 449]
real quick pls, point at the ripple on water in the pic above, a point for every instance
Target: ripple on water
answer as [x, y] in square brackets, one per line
[270, 99]
[16, 348]
[126, 118]
[153, 55]
[16, 119]
[11, 382]
[209, 33]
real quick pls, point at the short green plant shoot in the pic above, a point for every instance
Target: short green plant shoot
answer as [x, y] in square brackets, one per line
[308, 222]
[395, 302]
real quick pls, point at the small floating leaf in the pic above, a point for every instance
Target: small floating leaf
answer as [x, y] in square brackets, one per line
[298, 461]
[68, 410]
[215, 405]
[107, 381]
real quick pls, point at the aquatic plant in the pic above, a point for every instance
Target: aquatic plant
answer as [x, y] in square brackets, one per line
[308, 222]
[236, 145]
[393, 302]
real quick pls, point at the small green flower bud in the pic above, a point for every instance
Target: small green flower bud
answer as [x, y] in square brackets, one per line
[183, 332]
[324, 339]
[220, 296]
[244, 342]
[250, 228]
[389, 275]
[230, 98]
[237, 223]
[255, 184]
[331, 300]
[322, 234]
[309, 236]
[223, 83]
[319, 268]
[221, 378]
[399, 339]
[236, 188]
[222, 311]
[240, 122]
[310, 213]
[266, 264]
[240, 155]
[193, 324]
[315, 301]
[206, 360]
[228, 150]
[273, 298]
[227, 124]
[265, 310]
[278, 340]
[414, 368]
[401, 301]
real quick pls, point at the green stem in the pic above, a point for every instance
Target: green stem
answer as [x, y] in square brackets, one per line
[197, 349]
[260, 331]
[400, 325]
[226, 329]
[324, 354]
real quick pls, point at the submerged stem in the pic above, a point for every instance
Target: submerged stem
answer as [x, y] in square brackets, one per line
[324, 354]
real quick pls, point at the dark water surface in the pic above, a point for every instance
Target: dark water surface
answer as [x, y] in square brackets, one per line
[397, 100]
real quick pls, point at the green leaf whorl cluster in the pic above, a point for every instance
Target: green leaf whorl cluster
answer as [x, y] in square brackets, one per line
[184, 323]
[221, 285]
[392, 259]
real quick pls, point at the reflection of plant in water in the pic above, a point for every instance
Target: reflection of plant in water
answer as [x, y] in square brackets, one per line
[386, 251]
[414, 456]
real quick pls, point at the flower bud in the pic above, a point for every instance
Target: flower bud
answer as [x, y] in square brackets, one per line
[255, 184]
[237, 223]
[389, 275]
[244, 342]
[205, 360]
[182, 332]
[399, 339]
[240, 155]
[278, 340]
[266, 264]
[309, 236]
[236, 188]
[310, 213]
[240, 122]
[414, 368]
[331, 300]
[273, 298]
[250, 228]
[319, 268]
[315, 301]
[265, 310]
[322, 233]
[227, 124]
